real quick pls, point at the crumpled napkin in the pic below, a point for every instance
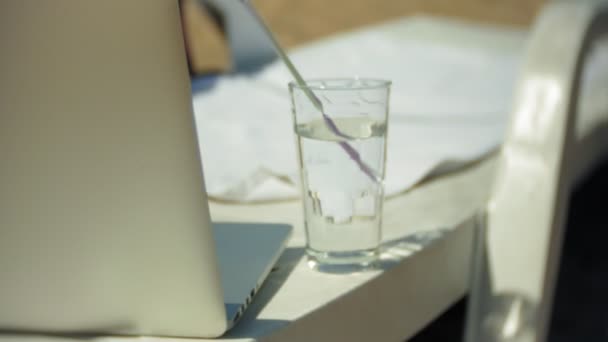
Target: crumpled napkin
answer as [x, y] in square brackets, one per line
[449, 106]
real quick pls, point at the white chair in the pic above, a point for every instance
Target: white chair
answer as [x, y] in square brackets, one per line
[553, 141]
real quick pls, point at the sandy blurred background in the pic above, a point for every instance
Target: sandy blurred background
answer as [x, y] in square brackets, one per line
[296, 22]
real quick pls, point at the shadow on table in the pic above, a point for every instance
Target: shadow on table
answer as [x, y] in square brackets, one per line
[394, 251]
[251, 326]
[80, 335]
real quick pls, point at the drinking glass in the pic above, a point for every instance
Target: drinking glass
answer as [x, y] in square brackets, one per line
[342, 157]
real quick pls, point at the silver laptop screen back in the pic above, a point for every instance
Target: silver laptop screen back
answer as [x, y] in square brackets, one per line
[104, 224]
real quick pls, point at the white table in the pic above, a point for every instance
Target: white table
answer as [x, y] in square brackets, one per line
[298, 304]
[429, 273]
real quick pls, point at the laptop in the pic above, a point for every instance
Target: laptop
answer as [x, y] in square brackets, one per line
[104, 221]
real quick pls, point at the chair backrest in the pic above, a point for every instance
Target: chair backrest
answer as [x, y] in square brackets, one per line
[549, 145]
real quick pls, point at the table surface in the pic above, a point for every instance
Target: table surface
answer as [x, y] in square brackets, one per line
[424, 270]
[427, 235]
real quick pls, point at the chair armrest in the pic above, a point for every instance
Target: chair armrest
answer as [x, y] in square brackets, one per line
[518, 252]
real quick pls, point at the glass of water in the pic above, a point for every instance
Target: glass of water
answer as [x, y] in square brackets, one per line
[342, 156]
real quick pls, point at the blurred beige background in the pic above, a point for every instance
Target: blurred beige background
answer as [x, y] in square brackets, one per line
[296, 22]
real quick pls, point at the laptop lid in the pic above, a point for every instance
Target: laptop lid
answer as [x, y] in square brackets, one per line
[104, 223]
